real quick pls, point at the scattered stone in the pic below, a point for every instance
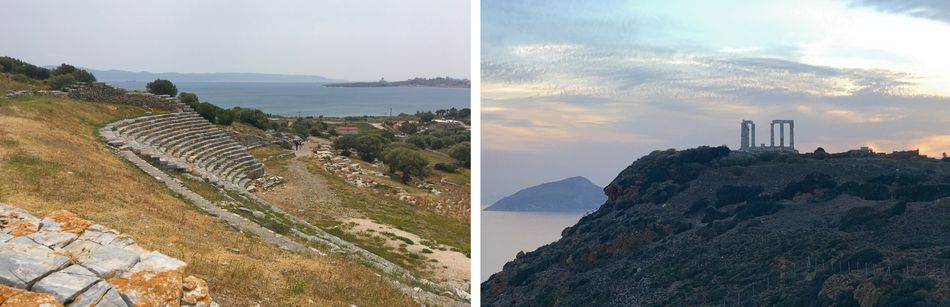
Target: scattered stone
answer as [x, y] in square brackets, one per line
[16, 298]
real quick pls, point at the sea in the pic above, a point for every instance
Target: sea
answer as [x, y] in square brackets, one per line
[314, 99]
[506, 233]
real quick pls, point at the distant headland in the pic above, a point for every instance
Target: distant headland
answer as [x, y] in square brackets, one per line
[446, 82]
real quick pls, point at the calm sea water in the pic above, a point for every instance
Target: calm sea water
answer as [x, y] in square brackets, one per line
[315, 99]
[504, 234]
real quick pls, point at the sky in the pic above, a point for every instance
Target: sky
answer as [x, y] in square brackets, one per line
[574, 88]
[352, 40]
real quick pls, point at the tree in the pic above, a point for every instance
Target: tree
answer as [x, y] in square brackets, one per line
[82, 75]
[60, 82]
[409, 128]
[426, 117]
[436, 143]
[462, 152]
[345, 143]
[388, 135]
[162, 87]
[63, 69]
[191, 99]
[418, 141]
[369, 147]
[406, 161]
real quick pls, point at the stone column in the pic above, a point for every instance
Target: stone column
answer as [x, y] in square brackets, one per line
[752, 144]
[772, 137]
[781, 136]
[791, 134]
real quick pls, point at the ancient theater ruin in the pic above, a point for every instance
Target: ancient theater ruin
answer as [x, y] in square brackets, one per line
[747, 137]
[185, 141]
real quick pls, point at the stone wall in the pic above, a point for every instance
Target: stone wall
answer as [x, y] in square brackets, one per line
[63, 259]
[101, 92]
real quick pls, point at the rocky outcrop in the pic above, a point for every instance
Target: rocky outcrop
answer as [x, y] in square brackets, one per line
[63, 259]
[707, 226]
[187, 142]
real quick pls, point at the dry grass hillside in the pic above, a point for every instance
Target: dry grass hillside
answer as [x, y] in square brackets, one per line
[50, 159]
[10, 82]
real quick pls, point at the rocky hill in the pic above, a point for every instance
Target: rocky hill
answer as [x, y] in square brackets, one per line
[575, 194]
[708, 226]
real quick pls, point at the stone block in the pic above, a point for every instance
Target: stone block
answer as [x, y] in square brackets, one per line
[66, 284]
[110, 260]
[23, 261]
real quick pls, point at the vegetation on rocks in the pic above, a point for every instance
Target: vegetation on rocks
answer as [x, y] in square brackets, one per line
[707, 226]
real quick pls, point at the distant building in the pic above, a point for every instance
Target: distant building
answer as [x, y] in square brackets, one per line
[347, 130]
[747, 137]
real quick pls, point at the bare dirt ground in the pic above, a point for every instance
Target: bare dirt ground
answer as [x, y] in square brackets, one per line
[451, 266]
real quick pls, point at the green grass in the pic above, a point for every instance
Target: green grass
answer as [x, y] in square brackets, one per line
[397, 213]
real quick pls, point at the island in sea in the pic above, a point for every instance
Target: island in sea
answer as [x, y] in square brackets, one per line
[446, 82]
[575, 194]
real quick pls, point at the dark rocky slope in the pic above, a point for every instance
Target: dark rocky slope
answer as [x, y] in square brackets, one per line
[575, 194]
[707, 227]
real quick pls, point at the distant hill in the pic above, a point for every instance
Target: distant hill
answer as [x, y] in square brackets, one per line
[710, 227]
[575, 194]
[415, 82]
[144, 76]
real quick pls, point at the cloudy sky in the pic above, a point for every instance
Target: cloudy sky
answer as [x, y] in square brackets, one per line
[354, 40]
[584, 89]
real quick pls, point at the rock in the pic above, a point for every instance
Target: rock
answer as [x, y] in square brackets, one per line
[20, 298]
[258, 214]
[196, 292]
[52, 238]
[67, 283]
[867, 294]
[96, 294]
[158, 262]
[147, 288]
[67, 221]
[110, 259]
[22, 262]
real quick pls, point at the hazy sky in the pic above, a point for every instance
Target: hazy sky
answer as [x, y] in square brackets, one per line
[353, 40]
[572, 88]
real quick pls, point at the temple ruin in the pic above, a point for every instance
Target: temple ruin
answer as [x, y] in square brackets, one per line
[747, 136]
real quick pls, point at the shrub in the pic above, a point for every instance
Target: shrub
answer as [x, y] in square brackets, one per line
[224, 117]
[819, 185]
[162, 87]
[757, 208]
[60, 82]
[82, 75]
[712, 214]
[446, 167]
[870, 191]
[728, 194]
[697, 206]
[462, 153]
[207, 111]
[191, 99]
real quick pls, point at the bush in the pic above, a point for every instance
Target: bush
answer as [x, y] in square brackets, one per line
[418, 141]
[713, 214]
[756, 209]
[728, 194]
[870, 191]
[15, 66]
[462, 153]
[862, 218]
[82, 75]
[224, 117]
[60, 82]
[191, 99]
[446, 167]
[207, 111]
[697, 206]
[162, 87]
[820, 185]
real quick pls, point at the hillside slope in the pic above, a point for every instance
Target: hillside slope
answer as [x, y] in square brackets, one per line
[575, 194]
[50, 159]
[706, 226]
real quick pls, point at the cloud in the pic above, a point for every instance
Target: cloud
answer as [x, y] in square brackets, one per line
[931, 9]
